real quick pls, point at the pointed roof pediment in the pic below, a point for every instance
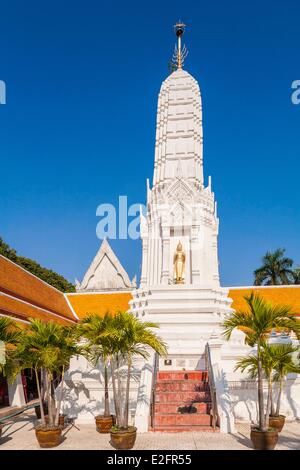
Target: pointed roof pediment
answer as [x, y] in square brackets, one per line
[180, 190]
[105, 272]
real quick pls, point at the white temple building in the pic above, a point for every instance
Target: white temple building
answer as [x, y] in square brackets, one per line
[181, 222]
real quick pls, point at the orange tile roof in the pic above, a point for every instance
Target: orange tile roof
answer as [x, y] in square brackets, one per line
[22, 311]
[23, 295]
[283, 295]
[85, 304]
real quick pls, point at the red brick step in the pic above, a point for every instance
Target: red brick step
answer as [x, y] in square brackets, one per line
[189, 408]
[182, 386]
[200, 375]
[182, 402]
[195, 419]
[187, 428]
[183, 397]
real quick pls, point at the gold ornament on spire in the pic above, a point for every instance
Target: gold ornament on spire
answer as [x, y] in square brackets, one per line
[180, 52]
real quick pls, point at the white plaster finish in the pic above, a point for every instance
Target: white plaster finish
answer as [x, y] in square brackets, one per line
[16, 392]
[105, 272]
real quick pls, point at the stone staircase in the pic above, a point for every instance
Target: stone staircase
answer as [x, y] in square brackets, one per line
[182, 402]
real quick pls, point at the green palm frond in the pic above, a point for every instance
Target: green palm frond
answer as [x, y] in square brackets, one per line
[9, 331]
[276, 269]
[249, 363]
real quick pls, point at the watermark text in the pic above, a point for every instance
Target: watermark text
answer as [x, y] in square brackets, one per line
[2, 92]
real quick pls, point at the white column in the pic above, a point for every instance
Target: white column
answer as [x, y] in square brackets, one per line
[215, 260]
[16, 392]
[195, 255]
[225, 410]
[144, 262]
[165, 255]
[150, 255]
[142, 414]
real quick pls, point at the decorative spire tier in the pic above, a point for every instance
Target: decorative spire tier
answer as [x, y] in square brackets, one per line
[179, 207]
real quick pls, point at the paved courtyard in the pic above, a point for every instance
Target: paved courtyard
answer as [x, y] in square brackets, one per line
[19, 435]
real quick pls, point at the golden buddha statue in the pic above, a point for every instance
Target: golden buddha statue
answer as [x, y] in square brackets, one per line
[179, 264]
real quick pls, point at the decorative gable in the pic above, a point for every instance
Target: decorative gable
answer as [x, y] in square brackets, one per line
[105, 272]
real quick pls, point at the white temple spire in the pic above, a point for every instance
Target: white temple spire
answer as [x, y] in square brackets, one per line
[209, 183]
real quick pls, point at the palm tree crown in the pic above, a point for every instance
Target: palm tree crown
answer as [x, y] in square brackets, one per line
[296, 275]
[257, 323]
[9, 332]
[261, 319]
[275, 269]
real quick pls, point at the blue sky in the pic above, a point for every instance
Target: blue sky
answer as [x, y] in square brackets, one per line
[78, 128]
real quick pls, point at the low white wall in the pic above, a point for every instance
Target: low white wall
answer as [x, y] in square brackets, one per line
[236, 395]
[83, 397]
[240, 393]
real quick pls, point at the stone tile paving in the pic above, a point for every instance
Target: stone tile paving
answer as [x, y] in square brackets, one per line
[19, 434]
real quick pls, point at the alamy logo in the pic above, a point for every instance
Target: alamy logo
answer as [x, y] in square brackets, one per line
[296, 94]
[114, 222]
[2, 92]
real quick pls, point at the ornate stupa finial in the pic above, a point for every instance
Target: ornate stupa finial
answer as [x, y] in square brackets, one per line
[180, 52]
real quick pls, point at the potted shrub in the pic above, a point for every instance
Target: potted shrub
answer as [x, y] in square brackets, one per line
[94, 328]
[128, 338]
[257, 322]
[273, 357]
[283, 366]
[37, 408]
[250, 363]
[9, 335]
[46, 346]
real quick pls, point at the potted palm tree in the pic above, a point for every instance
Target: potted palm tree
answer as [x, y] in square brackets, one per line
[9, 334]
[250, 363]
[257, 322]
[128, 338]
[283, 366]
[46, 346]
[37, 408]
[69, 347]
[93, 328]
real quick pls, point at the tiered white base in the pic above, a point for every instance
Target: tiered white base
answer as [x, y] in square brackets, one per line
[188, 317]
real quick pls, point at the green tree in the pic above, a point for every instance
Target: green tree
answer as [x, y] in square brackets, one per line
[9, 335]
[45, 346]
[276, 269]
[129, 338]
[47, 275]
[257, 323]
[296, 275]
[285, 365]
[9, 331]
[7, 251]
[98, 348]
[277, 362]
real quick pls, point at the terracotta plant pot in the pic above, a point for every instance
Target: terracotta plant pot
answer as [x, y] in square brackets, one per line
[123, 440]
[38, 410]
[104, 423]
[61, 420]
[277, 422]
[48, 437]
[264, 440]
